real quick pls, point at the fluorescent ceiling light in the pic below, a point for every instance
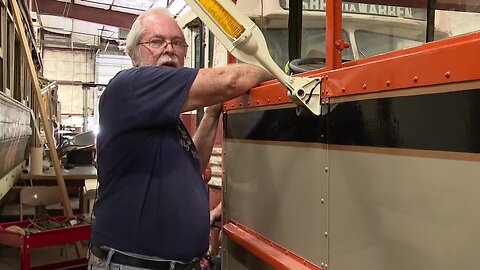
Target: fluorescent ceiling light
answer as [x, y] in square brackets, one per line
[160, 3]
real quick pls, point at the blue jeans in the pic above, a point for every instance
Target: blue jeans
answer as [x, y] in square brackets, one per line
[95, 263]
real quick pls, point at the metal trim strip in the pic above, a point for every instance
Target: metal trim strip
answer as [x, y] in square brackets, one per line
[268, 251]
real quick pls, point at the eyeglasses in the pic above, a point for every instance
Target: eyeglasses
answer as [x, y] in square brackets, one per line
[162, 43]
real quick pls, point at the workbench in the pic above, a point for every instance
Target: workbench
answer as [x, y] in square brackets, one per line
[74, 179]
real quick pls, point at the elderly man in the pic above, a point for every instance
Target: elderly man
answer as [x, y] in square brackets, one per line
[153, 211]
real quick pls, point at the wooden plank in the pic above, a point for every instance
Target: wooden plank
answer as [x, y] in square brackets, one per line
[43, 115]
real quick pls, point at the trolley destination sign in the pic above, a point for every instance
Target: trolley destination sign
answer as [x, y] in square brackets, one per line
[361, 8]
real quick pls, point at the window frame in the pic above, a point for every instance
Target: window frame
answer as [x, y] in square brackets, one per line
[3, 41]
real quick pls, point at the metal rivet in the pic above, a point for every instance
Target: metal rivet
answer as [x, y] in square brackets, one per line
[248, 103]
[387, 83]
[326, 234]
[326, 77]
[268, 100]
[364, 86]
[343, 89]
[258, 101]
[240, 104]
[326, 169]
[415, 79]
[286, 252]
[447, 74]
[322, 201]
[279, 98]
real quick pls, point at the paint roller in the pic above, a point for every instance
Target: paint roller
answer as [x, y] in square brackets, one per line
[244, 40]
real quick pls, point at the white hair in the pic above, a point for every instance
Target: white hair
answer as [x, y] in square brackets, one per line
[136, 32]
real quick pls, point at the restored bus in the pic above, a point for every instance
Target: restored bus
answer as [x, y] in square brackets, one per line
[388, 176]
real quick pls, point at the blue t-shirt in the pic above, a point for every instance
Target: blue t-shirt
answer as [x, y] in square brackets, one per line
[152, 200]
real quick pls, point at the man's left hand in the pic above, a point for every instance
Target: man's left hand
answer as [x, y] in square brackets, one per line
[214, 110]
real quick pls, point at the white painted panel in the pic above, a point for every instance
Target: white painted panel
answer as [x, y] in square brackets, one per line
[107, 66]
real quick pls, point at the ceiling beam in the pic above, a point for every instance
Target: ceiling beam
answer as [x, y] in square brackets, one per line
[469, 6]
[85, 13]
[180, 11]
[169, 3]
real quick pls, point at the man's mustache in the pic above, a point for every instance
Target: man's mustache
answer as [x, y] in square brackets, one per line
[168, 60]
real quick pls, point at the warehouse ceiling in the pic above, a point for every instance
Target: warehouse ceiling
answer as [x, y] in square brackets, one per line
[90, 21]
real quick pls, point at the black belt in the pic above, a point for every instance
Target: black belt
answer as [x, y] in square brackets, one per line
[120, 258]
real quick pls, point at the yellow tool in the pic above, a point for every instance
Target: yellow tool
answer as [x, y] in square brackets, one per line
[244, 40]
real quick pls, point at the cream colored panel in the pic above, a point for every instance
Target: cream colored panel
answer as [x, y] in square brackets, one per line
[71, 98]
[401, 212]
[276, 190]
[64, 65]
